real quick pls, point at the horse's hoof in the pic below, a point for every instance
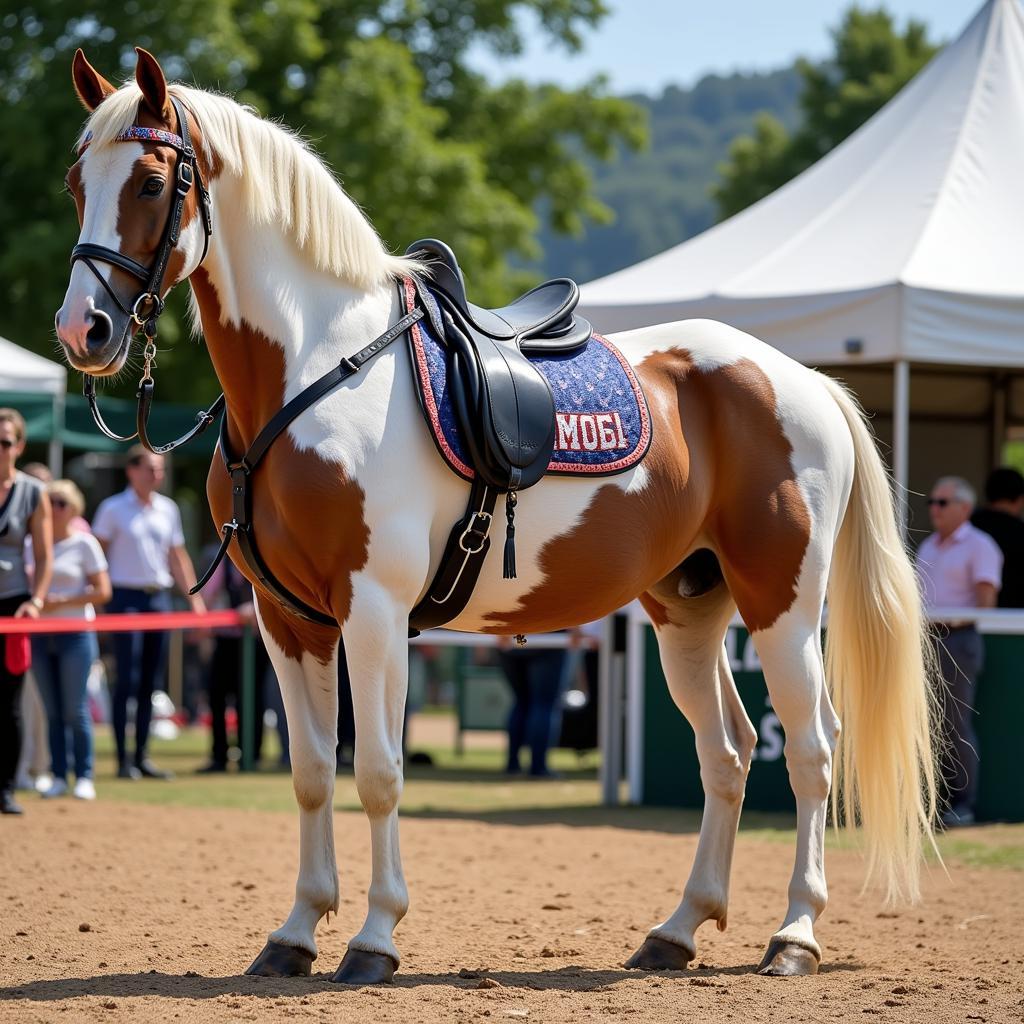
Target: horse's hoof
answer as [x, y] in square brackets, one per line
[280, 961]
[659, 955]
[358, 967]
[786, 960]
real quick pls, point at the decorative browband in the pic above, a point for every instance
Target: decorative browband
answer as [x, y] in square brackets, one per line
[138, 133]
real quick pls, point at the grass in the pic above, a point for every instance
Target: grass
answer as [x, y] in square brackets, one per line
[472, 785]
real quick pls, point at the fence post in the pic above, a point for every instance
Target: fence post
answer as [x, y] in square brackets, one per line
[248, 724]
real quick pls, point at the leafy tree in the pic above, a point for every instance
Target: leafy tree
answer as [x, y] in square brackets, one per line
[872, 62]
[383, 89]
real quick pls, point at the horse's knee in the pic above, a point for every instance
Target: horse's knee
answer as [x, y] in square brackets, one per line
[378, 781]
[723, 772]
[312, 780]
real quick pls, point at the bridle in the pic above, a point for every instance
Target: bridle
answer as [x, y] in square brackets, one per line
[148, 304]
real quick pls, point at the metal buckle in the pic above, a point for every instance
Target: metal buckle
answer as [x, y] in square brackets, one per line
[485, 517]
[186, 178]
[144, 297]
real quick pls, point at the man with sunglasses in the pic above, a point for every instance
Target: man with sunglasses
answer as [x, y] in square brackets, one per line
[960, 567]
[140, 530]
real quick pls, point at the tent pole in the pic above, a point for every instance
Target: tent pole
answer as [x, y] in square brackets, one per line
[901, 436]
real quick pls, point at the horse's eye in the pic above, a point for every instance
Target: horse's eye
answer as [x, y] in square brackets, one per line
[153, 186]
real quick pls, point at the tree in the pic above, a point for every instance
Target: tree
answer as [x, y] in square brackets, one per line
[423, 143]
[872, 62]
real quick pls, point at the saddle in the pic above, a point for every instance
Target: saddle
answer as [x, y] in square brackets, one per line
[504, 406]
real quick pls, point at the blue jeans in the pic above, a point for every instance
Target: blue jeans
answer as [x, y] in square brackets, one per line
[61, 666]
[536, 681]
[141, 661]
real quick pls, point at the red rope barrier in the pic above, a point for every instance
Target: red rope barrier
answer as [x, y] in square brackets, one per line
[137, 622]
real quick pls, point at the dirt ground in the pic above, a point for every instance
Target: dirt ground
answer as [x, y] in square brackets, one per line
[118, 911]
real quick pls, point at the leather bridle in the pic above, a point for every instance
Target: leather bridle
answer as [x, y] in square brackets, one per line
[148, 304]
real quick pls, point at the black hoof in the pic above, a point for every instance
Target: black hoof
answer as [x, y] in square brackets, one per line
[358, 967]
[280, 961]
[659, 955]
[786, 960]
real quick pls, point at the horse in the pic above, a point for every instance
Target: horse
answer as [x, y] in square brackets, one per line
[765, 464]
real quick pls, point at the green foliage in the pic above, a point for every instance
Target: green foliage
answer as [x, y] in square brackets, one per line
[660, 196]
[872, 62]
[424, 144]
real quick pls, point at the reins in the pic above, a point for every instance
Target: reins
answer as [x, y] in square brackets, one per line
[148, 304]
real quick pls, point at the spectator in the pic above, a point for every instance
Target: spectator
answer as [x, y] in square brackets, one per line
[535, 677]
[61, 661]
[34, 765]
[24, 512]
[140, 530]
[1000, 518]
[228, 588]
[960, 567]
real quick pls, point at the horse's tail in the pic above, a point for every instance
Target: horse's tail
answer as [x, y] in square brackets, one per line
[880, 665]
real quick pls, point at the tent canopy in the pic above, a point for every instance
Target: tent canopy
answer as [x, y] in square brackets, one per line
[25, 372]
[901, 244]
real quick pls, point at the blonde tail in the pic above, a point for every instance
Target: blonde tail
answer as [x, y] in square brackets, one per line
[880, 666]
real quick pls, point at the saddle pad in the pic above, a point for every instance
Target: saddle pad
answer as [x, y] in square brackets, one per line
[603, 426]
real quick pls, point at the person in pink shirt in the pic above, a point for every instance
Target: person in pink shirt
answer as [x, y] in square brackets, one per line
[959, 566]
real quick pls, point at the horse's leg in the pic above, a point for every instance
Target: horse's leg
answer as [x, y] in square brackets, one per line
[376, 645]
[702, 686]
[309, 690]
[790, 653]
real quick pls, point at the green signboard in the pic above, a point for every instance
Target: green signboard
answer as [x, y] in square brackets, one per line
[671, 773]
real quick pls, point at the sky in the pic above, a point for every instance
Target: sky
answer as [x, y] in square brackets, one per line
[644, 45]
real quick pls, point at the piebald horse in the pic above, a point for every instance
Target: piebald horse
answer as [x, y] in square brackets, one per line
[755, 458]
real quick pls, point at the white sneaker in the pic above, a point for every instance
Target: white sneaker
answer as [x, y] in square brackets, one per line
[43, 782]
[57, 788]
[85, 790]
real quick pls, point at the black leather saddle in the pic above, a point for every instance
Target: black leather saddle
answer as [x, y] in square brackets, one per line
[504, 404]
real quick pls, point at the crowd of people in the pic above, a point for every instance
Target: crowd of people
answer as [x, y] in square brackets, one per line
[54, 564]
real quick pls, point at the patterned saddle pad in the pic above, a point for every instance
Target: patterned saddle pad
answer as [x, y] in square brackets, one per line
[603, 425]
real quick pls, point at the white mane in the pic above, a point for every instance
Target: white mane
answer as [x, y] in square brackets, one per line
[283, 182]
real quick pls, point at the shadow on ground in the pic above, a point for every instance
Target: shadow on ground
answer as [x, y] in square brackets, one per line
[193, 986]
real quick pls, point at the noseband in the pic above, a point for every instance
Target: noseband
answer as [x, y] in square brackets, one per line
[147, 305]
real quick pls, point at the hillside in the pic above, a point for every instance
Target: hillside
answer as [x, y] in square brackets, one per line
[660, 197]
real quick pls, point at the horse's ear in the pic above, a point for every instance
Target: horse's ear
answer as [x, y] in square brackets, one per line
[150, 77]
[91, 86]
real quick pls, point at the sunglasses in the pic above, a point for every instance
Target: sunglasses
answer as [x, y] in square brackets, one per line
[7, 444]
[58, 503]
[941, 502]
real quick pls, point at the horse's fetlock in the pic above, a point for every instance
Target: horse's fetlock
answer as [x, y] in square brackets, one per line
[706, 904]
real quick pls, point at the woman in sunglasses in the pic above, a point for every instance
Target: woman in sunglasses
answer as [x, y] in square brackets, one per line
[24, 512]
[61, 661]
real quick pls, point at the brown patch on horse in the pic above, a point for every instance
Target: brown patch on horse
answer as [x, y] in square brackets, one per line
[656, 611]
[761, 525]
[625, 542]
[719, 470]
[308, 516]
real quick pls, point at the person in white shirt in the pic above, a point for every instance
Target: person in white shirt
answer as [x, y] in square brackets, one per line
[140, 530]
[61, 661]
[959, 566]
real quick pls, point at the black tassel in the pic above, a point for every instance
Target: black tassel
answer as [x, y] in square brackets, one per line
[510, 536]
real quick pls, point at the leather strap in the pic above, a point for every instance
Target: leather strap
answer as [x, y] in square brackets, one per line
[461, 562]
[241, 469]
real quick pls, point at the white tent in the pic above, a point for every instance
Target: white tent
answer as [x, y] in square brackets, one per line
[26, 373]
[902, 245]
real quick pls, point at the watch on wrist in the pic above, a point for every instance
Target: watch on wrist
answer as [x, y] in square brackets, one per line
[37, 603]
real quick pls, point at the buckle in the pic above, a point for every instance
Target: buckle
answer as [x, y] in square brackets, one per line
[186, 177]
[484, 519]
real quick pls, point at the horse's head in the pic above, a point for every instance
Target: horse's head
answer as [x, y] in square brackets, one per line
[143, 213]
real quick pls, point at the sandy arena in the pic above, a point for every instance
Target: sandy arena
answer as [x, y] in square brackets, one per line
[151, 914]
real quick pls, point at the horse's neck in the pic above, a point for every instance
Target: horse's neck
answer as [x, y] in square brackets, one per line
[273, 325]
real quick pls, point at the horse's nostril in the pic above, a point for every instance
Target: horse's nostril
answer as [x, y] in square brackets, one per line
[102, 328]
